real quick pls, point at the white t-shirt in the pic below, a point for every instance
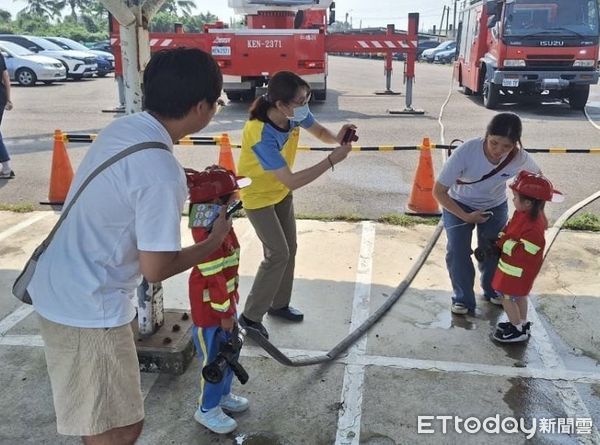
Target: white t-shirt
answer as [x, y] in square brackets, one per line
[90, 272]
[469, 163]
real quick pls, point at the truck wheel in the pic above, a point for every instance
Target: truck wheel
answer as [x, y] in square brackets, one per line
[491, 95]
[320, 95]
[26, 77]
[578, 96]
[234, 97]
[248, 96]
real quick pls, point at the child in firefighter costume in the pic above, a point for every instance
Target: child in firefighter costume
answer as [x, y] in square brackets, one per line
[213, 294]
[521, 245]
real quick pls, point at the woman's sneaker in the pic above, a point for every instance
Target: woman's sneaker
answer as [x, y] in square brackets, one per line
[459, 308]
[7, 175]
[511, 335]
[215, 420]
[496, 300]
[233, 403]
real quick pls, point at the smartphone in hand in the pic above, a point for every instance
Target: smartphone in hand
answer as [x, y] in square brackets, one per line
[233, 207]
[349, 136]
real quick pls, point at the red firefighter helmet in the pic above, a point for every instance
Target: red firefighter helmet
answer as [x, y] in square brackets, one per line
[535, 186]
[212, 183]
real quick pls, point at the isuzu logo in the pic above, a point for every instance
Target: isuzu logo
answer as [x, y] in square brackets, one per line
[552, 43]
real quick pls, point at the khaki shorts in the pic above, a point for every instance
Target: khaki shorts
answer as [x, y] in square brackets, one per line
[95, 378]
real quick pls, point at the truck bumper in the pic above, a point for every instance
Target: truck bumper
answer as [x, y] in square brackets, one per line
[543, 80]
[235, 83]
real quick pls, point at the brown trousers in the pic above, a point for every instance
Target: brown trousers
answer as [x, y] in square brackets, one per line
[276, 228]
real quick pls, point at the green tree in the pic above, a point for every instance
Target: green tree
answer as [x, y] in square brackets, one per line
[43, 8]
[177, 7]
[196, 23]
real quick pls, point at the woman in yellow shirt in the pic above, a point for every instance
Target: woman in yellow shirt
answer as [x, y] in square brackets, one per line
[269, 144]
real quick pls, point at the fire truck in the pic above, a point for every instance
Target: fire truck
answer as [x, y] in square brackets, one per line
[282, 35]
[536, 50]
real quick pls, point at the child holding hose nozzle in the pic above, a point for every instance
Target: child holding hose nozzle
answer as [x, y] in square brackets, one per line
[213, 295]
[521, 248]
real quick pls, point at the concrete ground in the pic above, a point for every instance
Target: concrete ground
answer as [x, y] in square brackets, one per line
[419, 360]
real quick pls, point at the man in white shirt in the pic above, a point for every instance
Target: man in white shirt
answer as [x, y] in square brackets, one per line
[125, 224]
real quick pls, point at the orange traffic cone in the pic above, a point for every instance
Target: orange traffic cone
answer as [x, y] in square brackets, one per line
[61, 174]
[421, 200]
[225, 153]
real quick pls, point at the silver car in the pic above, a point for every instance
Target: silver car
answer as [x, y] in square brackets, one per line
[27, 68]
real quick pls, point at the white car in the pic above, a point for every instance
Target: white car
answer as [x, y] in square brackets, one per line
[27, 68]
[77, 63]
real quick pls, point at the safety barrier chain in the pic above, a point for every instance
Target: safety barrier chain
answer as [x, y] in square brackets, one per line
[215, 140]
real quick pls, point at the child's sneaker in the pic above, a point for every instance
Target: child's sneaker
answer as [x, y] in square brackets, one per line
[504, 325]
[215, 420]
[233, 403]
[511, 335]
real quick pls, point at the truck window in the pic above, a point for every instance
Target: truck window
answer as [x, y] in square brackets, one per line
[527, 17]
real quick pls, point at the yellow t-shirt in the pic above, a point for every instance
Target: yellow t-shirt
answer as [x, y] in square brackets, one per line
[266, 147]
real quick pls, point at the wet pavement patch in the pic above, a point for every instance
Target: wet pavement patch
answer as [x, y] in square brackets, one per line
[260, 438]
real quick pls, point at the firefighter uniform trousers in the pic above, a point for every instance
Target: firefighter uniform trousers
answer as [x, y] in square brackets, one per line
[208, 341]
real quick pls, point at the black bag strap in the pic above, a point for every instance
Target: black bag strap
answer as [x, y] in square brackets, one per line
[130, 150]
[500, 166]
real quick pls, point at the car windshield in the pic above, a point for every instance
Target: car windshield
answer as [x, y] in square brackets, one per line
[14, 49]
[559, 17]
[46, 44]
[69, 44]
[445, 45]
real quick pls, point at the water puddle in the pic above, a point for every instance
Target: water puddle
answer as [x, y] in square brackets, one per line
[446, 320]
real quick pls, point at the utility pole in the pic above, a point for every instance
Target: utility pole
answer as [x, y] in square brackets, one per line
[442, 21]
[454, 20]
[447, 19]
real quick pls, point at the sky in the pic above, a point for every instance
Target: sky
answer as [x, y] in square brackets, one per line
[370, 13]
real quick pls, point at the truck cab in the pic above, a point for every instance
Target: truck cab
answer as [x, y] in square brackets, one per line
[542, 50]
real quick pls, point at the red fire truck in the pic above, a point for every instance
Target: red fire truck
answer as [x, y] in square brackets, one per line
[282, 35]
[542, 50]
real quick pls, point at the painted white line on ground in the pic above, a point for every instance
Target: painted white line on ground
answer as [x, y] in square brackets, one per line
[20, 226]
[22, 340]
[8, 322]
[389, 362]
[348, 428]
[571, 400]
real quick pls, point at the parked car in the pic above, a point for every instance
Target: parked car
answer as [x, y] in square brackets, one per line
[446, 56]
[27, 68]
[429, 54]
[426, 44]
[77, 63]
[101, 46]
[105, 60]
[421, 46]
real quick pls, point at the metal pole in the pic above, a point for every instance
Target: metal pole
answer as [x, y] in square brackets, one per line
[454, 20]
[442, 20]
[409, 85]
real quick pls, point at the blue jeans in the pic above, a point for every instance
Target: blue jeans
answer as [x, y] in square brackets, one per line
[458, 253]
[208, 343]
[3, 151]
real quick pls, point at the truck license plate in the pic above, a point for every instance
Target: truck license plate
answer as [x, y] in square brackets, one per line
[510, 82]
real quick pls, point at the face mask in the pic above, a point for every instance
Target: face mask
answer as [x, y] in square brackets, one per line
[300, 113]
[204, 215]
